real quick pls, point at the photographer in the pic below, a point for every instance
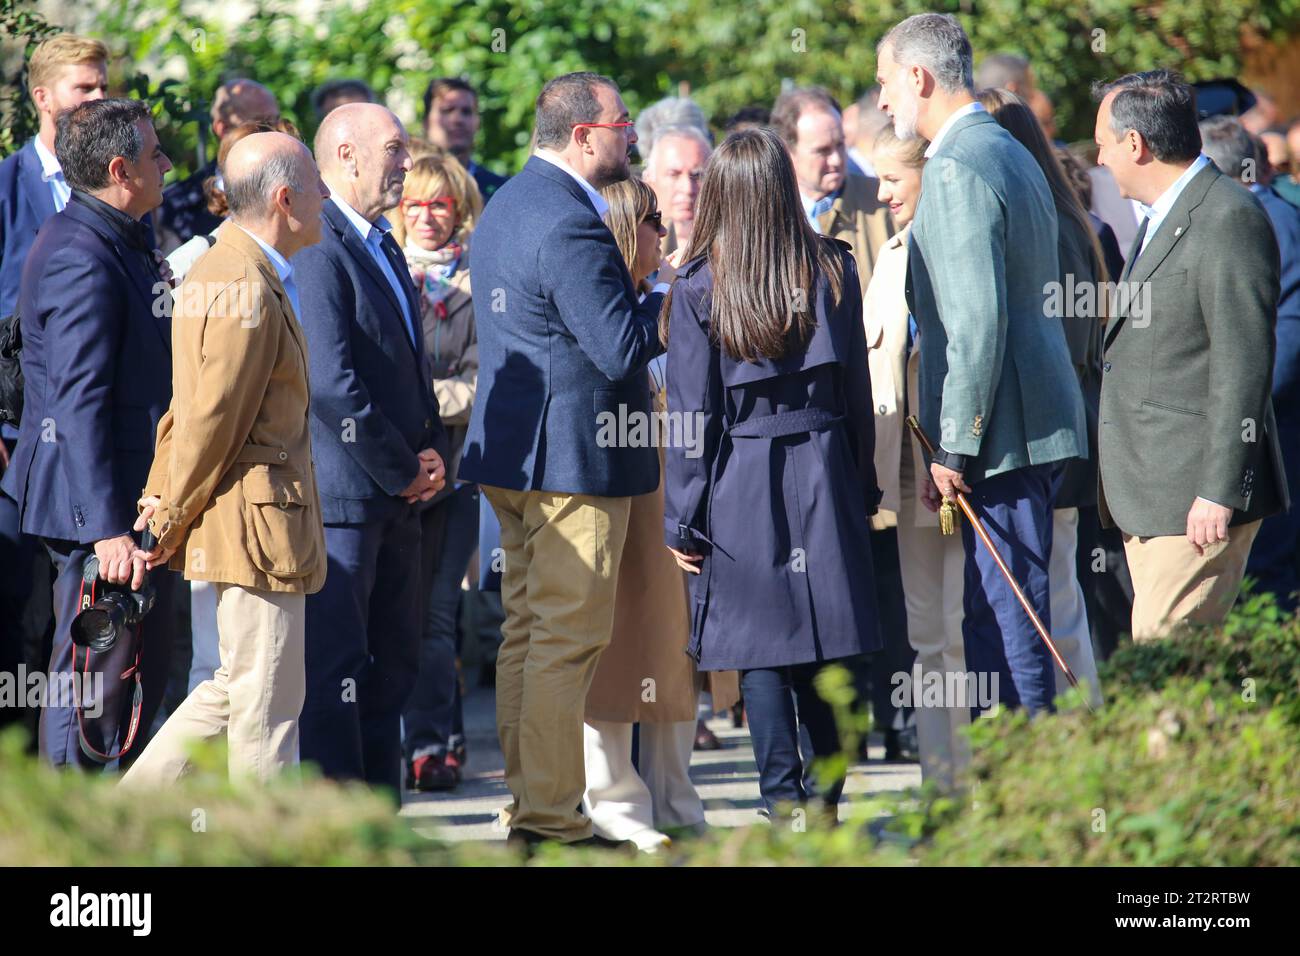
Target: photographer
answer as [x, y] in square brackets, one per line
[96, 359]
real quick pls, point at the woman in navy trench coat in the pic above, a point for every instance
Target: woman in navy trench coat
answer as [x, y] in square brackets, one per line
[769, 497]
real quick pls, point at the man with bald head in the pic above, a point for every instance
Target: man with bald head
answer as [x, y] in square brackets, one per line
[184, 213]
[231, 496]
[377, 441]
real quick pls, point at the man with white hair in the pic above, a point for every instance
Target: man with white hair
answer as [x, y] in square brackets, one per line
[671, 112]
[997, 392]
[674, 168]
[232, 495]
[376, 434]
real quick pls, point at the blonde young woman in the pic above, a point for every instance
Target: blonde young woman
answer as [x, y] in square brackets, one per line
[440, 205]
[932, 564]
[644, 675]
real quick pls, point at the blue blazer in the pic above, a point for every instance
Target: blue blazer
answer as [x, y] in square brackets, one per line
[561, 341]
[372, 406]
[1286, 363]
[25, 204]
[97, 366]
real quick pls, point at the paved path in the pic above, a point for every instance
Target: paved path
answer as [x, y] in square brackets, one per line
[726, 779]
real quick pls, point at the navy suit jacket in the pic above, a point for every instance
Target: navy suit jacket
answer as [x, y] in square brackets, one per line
[25, 204]
[97, 366]
[562, 346]
[1286, 363]
[372, 407]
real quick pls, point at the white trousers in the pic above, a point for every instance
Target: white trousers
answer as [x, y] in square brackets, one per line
[204, 640]
[623, 805]
[1069, 628]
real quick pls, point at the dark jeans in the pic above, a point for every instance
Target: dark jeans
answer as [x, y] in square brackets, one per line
[433, 717]
[777, 701]
[1274, 553]
[363, 638]
[1016, 510]
[59, 733]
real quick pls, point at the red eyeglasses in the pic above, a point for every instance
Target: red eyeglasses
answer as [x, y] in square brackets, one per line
[444, 204]
[604, 125]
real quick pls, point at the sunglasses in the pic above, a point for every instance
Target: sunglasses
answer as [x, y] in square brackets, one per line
[444, 204]
[656, 219]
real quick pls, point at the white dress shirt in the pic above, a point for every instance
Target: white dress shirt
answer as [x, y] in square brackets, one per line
[52, 173]
[1159, 209]
[966, 110]
[283, 269]
[597, 200]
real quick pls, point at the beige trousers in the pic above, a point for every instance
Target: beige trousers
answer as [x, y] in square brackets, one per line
[561, 558]
[933, 566]
[254, 698]
[1172, 584]
[1070, 632]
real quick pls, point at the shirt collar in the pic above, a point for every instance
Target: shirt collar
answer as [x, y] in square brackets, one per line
[125, 225]
[815, 208]
[282, 266]
[596, 198]
[50, 168]
[359, 222]
[966, 110]
[1160, 208]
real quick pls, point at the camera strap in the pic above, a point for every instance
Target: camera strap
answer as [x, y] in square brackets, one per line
[137, 697]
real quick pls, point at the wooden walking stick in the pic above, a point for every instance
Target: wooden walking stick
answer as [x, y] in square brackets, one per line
[978, 525]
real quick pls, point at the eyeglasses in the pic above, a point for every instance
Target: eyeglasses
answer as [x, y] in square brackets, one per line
[656, 219]
[604, 125]
[438, 204]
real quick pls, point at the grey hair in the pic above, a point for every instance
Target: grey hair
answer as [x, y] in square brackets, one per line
[676, 132]
[936, 42]
[670, 113]
[1230, 147]
[249, 197]
[1002, 71]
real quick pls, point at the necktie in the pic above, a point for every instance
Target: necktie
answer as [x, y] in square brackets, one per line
[1136, 249]
[386, 248]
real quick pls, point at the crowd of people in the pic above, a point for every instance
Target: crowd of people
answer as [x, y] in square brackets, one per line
[667, 414]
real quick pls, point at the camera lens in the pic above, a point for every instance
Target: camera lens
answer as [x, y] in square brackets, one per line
[97, 627]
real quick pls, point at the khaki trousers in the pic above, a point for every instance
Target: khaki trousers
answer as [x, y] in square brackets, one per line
[561, 558]
[1172, 584]
[254, 698]
[933, 568]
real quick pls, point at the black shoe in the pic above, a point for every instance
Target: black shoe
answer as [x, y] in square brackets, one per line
[900, 746]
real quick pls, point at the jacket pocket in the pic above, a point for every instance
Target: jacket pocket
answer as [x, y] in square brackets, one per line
[1174, 408]
[281, 539]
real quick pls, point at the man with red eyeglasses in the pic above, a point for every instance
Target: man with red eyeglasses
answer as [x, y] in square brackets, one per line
[563, 345]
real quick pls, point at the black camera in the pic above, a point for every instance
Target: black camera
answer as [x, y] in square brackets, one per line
[108, 609]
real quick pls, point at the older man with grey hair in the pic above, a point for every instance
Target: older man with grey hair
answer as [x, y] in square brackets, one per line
[674, 168]
[998, 394]
[672, 112]
[232, 495]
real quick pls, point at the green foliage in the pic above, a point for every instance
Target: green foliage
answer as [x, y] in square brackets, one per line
[19, 26]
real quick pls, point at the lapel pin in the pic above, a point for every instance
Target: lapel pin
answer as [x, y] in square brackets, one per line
[1178, 232]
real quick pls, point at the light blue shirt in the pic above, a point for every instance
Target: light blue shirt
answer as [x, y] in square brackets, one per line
[52, 173]
[815, 208]
[372, 235]
[1159, 209]
[282, 269]
[966, 110]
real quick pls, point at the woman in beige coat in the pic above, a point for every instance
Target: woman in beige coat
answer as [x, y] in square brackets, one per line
[932, 564]
[645, 676]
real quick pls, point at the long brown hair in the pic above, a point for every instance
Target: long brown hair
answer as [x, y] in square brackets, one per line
[1018, 119]
[764, 255]
[630, 201]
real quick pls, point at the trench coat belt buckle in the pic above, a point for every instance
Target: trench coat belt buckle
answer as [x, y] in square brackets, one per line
[782, 424]
[261, 455]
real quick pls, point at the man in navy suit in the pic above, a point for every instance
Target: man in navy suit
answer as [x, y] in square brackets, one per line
[97, 366]
[374, 433]
[1273, 556]
[63, 72]
[563, 345]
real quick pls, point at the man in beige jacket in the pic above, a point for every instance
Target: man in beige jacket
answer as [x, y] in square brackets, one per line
[232, 494]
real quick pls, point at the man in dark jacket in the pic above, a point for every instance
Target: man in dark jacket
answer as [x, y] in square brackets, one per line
[1188, 449]
[375, 435]
[562, 345]
[97, 366]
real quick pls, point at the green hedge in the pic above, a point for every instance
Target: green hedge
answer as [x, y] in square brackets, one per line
[1194, 760]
